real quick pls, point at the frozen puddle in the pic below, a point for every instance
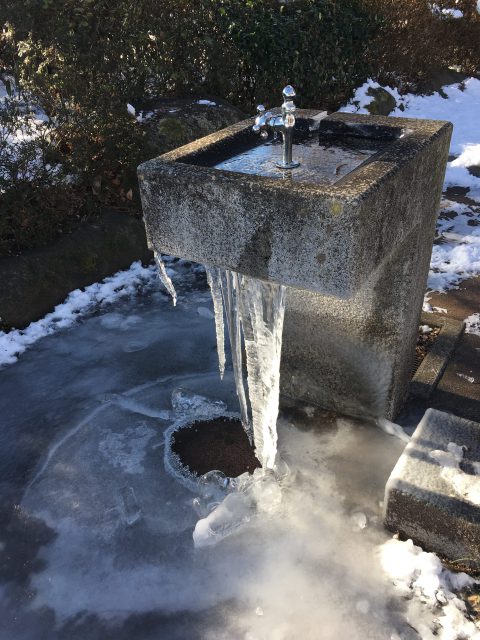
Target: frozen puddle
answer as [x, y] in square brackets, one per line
[100, 542]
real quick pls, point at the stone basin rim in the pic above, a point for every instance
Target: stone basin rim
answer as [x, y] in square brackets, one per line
[353, 187]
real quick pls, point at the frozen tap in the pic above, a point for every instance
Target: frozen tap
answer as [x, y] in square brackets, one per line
[285, 123]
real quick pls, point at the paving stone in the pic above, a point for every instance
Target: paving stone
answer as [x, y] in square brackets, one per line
[421, 502]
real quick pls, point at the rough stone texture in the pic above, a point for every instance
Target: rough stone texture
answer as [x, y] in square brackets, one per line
[173, 122]
[420, 504]
[34, 282]
[352, 317]
[383, 102]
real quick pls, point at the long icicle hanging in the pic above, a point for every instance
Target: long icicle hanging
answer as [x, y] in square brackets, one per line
[255, 310]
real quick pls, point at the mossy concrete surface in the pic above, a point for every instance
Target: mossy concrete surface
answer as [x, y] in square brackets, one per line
[33, 283]
[173, 122]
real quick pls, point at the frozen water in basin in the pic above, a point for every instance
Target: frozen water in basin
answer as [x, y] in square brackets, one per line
[320, 163]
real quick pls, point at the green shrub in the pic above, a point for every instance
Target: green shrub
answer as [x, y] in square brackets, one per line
[82, 61]
[414, 40]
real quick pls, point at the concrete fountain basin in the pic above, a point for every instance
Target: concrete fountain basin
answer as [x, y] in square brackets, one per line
[349, 233]
[323, 227]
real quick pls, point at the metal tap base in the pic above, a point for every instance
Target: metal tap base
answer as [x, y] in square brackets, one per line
[287, 165]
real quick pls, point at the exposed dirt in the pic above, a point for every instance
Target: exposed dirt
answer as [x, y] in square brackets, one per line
[424, 344]
[220, 444]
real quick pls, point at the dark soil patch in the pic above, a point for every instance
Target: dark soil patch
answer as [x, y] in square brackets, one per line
[424, 344]
[220, 444]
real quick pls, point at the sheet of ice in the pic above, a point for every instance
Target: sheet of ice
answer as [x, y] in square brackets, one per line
[293, 560]
[126, 450]
[466, 485]
[304, 565]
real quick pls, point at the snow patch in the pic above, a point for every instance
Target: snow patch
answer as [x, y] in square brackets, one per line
[429, 588]
[78, 303]
[466, 485]
[472, 324]
[446, 13]
[459, 103]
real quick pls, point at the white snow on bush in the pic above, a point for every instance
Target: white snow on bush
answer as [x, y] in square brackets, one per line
[78, 304]
[429, 589]
[456, 255]
[446, 13]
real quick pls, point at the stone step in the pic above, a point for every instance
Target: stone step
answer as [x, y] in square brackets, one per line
[433, 493]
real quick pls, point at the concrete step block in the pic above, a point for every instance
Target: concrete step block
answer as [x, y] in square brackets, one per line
[433, 493]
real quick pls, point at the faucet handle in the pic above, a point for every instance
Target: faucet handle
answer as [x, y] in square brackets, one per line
[288, 92]
[261, 121]
[288, 105]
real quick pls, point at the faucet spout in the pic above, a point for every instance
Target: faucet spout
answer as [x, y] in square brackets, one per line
[285, 124]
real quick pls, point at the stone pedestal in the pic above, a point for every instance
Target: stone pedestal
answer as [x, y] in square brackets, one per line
[353, 252]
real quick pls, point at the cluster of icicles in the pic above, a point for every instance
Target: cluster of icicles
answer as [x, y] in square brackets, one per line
[254, 310]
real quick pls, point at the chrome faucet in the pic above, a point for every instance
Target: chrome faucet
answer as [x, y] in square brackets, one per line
[284, 123]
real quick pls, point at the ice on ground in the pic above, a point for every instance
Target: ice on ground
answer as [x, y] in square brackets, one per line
[78, 303]
[127, 449]
[121, 542]
[285, 548]
[466, 485]
[83, 302]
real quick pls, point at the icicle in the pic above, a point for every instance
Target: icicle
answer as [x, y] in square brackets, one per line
[230, 291]
[164, 277]
[262, 307]
[215, 282]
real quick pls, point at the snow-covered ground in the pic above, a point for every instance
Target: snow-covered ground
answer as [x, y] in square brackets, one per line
[456, 254]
